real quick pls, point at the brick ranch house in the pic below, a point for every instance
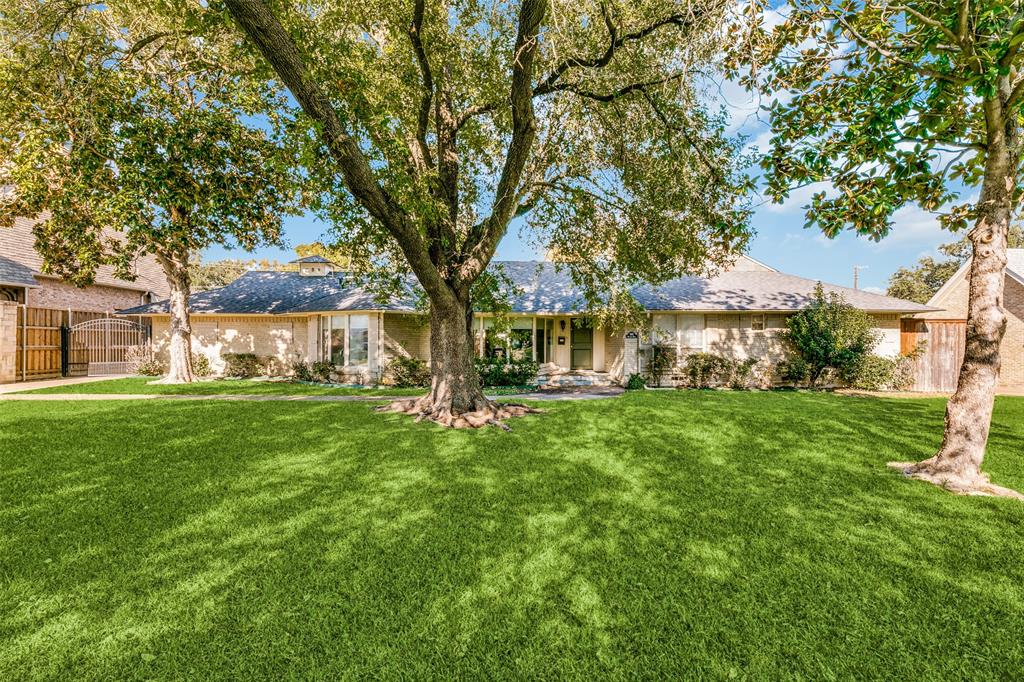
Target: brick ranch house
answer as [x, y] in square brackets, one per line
[945, 330]
[314, 314]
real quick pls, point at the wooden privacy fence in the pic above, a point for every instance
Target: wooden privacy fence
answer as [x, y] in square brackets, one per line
[51, 343]
[939, 366]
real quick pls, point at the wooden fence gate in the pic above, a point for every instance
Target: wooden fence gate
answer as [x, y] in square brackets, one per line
[938, 368]
[52, 343]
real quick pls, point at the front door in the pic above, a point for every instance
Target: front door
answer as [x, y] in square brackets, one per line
[582, 346]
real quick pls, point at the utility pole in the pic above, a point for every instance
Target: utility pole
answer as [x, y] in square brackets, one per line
[856, 274]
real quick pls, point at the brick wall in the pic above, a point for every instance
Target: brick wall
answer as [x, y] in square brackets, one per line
[283, 339]
[1012, 373]
[8, 341]
[54, 293]
[406, 336]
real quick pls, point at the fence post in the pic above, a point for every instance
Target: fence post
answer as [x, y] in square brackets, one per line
[65, 347]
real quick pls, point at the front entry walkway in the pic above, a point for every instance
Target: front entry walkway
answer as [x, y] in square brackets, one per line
[56, 383]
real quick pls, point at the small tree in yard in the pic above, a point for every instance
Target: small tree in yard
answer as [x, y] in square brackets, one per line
[436, 124]
[830, 334]
[892, 103]
[132, 131]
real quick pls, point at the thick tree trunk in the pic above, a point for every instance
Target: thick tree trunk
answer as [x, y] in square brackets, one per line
[957, 464]
[455, 398]
[454, 384]
[179, 369]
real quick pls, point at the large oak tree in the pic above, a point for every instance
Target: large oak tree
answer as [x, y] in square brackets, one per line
[132, 129]
[436, 124]
[895, 103]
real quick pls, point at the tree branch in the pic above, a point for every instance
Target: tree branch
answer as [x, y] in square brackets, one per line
[263, 28]
[416, 37]
[889, 54]
[483, 238]
[617, 41]
[621, 92]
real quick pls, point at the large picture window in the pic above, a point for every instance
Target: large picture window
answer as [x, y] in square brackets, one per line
[358, 339]
[345, 339]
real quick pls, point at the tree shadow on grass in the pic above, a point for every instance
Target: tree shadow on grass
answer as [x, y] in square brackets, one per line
[668, 534]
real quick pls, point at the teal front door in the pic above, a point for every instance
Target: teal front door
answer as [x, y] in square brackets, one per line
[582, 347]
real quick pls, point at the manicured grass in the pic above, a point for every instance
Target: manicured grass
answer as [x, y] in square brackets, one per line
[144, 385]
[702, 534]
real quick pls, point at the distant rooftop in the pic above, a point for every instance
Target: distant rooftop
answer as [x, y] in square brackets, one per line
[312, 259]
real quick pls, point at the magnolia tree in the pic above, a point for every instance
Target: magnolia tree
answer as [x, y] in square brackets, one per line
[130, 132]
[891, 104]
[433, 125]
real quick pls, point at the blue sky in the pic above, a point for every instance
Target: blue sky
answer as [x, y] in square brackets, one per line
[781, 240]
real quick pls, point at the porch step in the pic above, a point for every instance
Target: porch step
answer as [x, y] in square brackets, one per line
[573, 379]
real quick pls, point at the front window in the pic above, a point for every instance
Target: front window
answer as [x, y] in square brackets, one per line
[345, 339]
[358, 339]
[513, 344]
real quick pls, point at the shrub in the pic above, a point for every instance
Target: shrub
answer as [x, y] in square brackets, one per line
[140, 360]
[499, 372]
[242, 365]
[742, 374]
[878, 373]
[704, 370]
[660, 361]
[635, 382]
[321, 371]
[201, 365]
[407, 373]
[830, 334]
[794, 371]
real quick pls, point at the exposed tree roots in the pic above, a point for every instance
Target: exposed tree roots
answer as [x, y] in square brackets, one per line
[488, 414]
[954, 481]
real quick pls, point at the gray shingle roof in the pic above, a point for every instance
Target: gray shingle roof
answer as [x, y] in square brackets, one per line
[540, 288]
[12, 272]
[311, 259]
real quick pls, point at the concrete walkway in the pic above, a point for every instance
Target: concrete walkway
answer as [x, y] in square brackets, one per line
[53, 383]
[575, 394]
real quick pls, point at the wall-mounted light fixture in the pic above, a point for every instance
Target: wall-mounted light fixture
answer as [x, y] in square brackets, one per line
[561, 325]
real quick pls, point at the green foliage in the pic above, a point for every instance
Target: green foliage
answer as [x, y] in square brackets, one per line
[215, 274]
[830, 334]
[406, 372]
[659, 360]
[879, 105]
[635, 382]
[462, 126]
[742, 375]
[704, 370]
[794, 371]
[243, 365]
[141, 118]
[318, 371]
[502, 372]
[201, 365]
[878, 373]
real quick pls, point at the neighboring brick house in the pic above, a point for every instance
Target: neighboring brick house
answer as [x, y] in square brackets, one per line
[951, 320]
[315, 314]
[22, 279]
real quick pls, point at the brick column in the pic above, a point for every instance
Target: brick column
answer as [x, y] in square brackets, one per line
[8, 342]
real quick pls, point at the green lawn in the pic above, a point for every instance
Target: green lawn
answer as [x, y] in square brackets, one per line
[145, 385]
[669, 534]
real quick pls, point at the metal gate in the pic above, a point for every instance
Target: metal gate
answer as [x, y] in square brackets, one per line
[101, 346]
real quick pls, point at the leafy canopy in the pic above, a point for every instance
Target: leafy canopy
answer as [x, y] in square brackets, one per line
[140, 120]
[600, 141]
[885, 103]
[830, 334]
